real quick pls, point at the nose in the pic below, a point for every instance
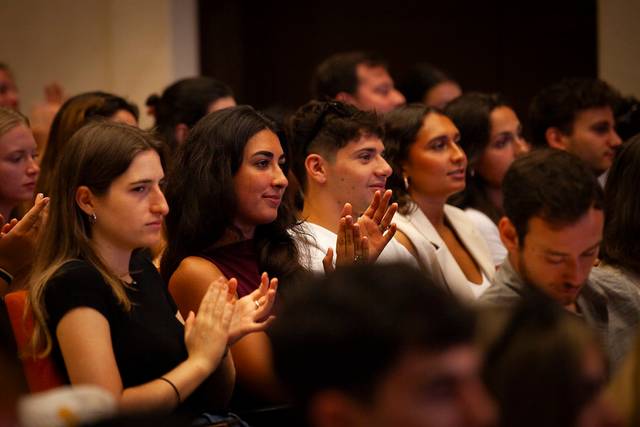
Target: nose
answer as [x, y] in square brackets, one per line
[573, 272]
[279, 178]
[457, 154]
[159, 203]
[521, 147]
[615, 139]
[383, 168]
[32, 167]
[398, 98]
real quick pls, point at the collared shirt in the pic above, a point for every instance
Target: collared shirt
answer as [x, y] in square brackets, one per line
[613, 312]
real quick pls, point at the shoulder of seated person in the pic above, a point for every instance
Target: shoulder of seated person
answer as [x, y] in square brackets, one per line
[194, 268]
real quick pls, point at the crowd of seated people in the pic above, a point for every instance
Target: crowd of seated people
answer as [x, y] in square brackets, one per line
[365, 261]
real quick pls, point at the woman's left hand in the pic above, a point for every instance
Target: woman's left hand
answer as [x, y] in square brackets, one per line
[252, 312]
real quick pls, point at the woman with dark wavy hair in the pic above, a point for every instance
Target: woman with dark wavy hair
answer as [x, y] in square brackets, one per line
[230, 218]
[620, 249]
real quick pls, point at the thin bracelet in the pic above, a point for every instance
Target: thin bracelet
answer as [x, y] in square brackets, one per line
[174, 388]
[6, 276]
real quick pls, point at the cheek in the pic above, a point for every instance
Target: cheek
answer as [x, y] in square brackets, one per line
[493, 164]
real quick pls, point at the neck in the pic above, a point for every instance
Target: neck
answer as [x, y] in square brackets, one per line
[236, 234]
[114, 257]
[432, 207]
[495, 197]
[322, 209]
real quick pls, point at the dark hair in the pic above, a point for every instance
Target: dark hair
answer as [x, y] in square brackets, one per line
[620, 244]
[627, 112]
[324, 128]
[401, 128]
[557, 105]
[534, 368]
[202, 200]
[551, 184]
[338, 73]
[73, 114]
[345, 331]
[471, 114]
[420, 79]
[185, 101]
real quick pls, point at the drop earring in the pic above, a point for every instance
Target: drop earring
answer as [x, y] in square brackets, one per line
[93, 218]
[406, 182]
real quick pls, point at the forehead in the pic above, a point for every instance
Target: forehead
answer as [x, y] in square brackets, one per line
[372, 75]
[435, 124]
[265, 140]
[570, 238]
[502, 117]
[19, 137]
[144, 166]
[593, 115]
[365, 142]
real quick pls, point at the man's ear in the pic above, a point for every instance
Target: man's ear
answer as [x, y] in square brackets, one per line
[85, 199]
[316, 167]
[508, 235]
[556, 139]
[347, 98]
[333, 408]
[181, 132]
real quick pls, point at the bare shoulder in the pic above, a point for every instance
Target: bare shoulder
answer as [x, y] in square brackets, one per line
[190, 281]
[195, 267]
[406, 242]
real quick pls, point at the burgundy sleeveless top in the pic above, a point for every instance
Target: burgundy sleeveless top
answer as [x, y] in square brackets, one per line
[237, 260]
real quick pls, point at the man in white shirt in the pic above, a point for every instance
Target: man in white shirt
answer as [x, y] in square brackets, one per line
[342, 174]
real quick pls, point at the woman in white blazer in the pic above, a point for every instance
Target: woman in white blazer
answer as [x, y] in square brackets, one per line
[428, 167]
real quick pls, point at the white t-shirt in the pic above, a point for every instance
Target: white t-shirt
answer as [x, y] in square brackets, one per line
[313, 241]
[489, 230]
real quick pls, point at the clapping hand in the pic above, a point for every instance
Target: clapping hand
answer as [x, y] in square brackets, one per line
[351, 246]
[375, 223]
[252, 311]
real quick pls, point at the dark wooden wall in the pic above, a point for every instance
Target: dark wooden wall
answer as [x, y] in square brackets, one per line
[267, 50]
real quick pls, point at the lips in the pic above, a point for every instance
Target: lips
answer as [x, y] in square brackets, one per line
[457, 173]
[273, 199]
[380, 186]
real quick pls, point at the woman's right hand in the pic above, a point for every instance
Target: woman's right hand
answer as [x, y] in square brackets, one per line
[206, 334]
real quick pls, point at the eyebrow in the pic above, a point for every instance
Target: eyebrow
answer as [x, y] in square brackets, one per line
[554, 253]
[142, 181]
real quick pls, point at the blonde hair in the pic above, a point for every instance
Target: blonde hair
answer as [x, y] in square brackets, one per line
[10, 119]
[96, 155]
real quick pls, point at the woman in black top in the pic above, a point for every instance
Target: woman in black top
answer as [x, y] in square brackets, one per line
[103, 310]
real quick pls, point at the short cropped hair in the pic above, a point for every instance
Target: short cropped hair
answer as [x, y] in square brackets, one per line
[324, 128]
[557, 105]
[338, 73]
[347, 330]
[551, 184]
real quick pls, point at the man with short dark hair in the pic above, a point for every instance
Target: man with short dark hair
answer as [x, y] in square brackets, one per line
[576, 115]
[380, 346]
[357, 78]
[552, 230]
[338, 159]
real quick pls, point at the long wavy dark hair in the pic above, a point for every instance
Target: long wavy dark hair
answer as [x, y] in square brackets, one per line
[620, 246]
[471, 113]
[202, 200]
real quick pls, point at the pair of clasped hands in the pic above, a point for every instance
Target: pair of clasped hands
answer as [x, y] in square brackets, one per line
[364, 239]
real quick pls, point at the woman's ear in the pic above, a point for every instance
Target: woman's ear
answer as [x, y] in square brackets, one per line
[85, 200]
[316, 168]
